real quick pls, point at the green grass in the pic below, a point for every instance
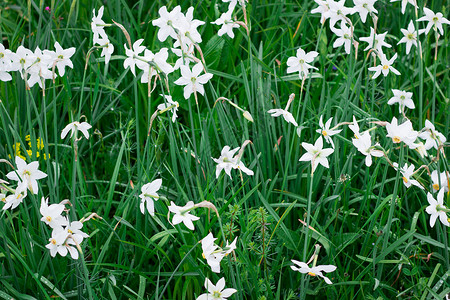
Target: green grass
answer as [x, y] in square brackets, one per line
[366, 221]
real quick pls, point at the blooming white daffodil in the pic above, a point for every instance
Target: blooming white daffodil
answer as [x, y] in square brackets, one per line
[213, 253]
[401, 133]
[186, 56]
[74, 228]
[57, 242]
[227, 161]
[405, 2]
[314, 271]
[435, 21]
[420, 148]
[167, 21]
[344, 35]
[192, 80]
[321, 9]
[355, 128]
[133, 58]
[107, 48]
[440, 181]
[364, 7]
[338, 12]
[407, 173]
[432, 137]
[227, 23]
[316, 154]
[157, 63]
[39, 70]
[376, 41]
[187, 29]
[28, 173]
[172, 105]
[410, 37]
[13, 200]
[284, 112]
[74, 127]
[326, 131]
[403, 98]
[385, 67]
[51, 214]
[61, 57]
[437, 209]
[182, 214]
[301, 63]
[23, 59]
[364, 145]
[97, 26]
[216, 292]
[148, 195]
[6, 56]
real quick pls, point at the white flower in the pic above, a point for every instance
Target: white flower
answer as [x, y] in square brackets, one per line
[227, 24]
[228, 161]
[23, 59]
[166, 22]
[170, 103]
[57, 242]
[401, 133]
[314, 271]
[344, 37]
[192, 81]
[385, 67]
[432, 137]
[355, 128]
[157, 63]
[364, 7]
[300, 62]
[97, 26]
[74, 127]
[182, 214]
[51, 215]
[213, 253]
[133, 56]
[284, 112]
[326, 131]
[375, 41]
[316, 154]
[12, 201]
[216, 292]
[436, 209]
[440, 181]
[74, 228]
[364, 145]
[407, 172]
[62, 58]
[148, 195]
[39, 70]
[107, 49]
[187, 26]
[405, 2]
[321, 9]
[338, 12]
[403, 98]
[410, 36]
[28, 173]
[434, 21]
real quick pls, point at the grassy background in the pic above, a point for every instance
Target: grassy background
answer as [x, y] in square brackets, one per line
[363, 231]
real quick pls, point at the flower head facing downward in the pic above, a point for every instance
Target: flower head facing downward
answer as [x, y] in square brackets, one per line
[148, 195]
[216, 292]
[74, 127]
[314, 271]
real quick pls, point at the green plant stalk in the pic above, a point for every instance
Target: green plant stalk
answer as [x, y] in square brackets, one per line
[304, 284]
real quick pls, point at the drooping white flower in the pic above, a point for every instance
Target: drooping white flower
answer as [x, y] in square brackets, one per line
[182, 214]
[407, 173]
[432, 137]
[364, 7]
[316, 154]
[107, 48]
[74, 228]
[97, 26]
[148, 195]
[213, 253]
[314, 271]
[170, 103]
[403, 98]
[74, 127]
[57, 242]
[385, 67]
[326, 131]
[401, 133]
[410, 37]
[435, 21]
[13, 200]
[437, 209]
[301, 63]
[28, 173]
[216, 292]
[405, 2]
[284, 112]
[192, 80]
[355, 128]
[364, 145]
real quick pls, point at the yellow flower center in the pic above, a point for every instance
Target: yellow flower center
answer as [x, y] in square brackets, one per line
[405, 179]
[396, 139]
[312, 274]
[385, 67]
[324, 133]
[48, 218]
[53, 241]
[436, 187]
[410, 36]
[60, 57]
[69, 231]
[217, 295]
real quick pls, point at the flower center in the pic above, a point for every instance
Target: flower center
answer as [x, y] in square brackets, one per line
[324, 133]
[2, 55]
[48, 218]
[346, 36]
[312, 274]
[22, 61]
[53, 241]
[435, 19]
[302, 61]
[405, 180]
[193, 79]
[396, 139]
[436, 187]
[217, 295]
[402, 97]
[385, 67]
[60, 57]
[410, 36]
[69, 231]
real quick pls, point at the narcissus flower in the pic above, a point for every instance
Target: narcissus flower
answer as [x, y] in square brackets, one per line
[401, 133]
[316, 154]
[385, 67]
[213, 253]
[227, 24]
[375, 41]
[182, 214]
[284, 112]
[410, 36]
[51, 214]
[28, 173]
[440, 181]
[364, 7]
[314, 271]
[405, 2]
[344, 35]
[192, 80]
[403, 98]
[432, 137]
[74, 127]
[133, 56]
[437, 209]
[148, 195]
[407, 173]
[301, 63]
[326, 131]
[435, 21]
[227, 161]
[216, 292]
[364, 145]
